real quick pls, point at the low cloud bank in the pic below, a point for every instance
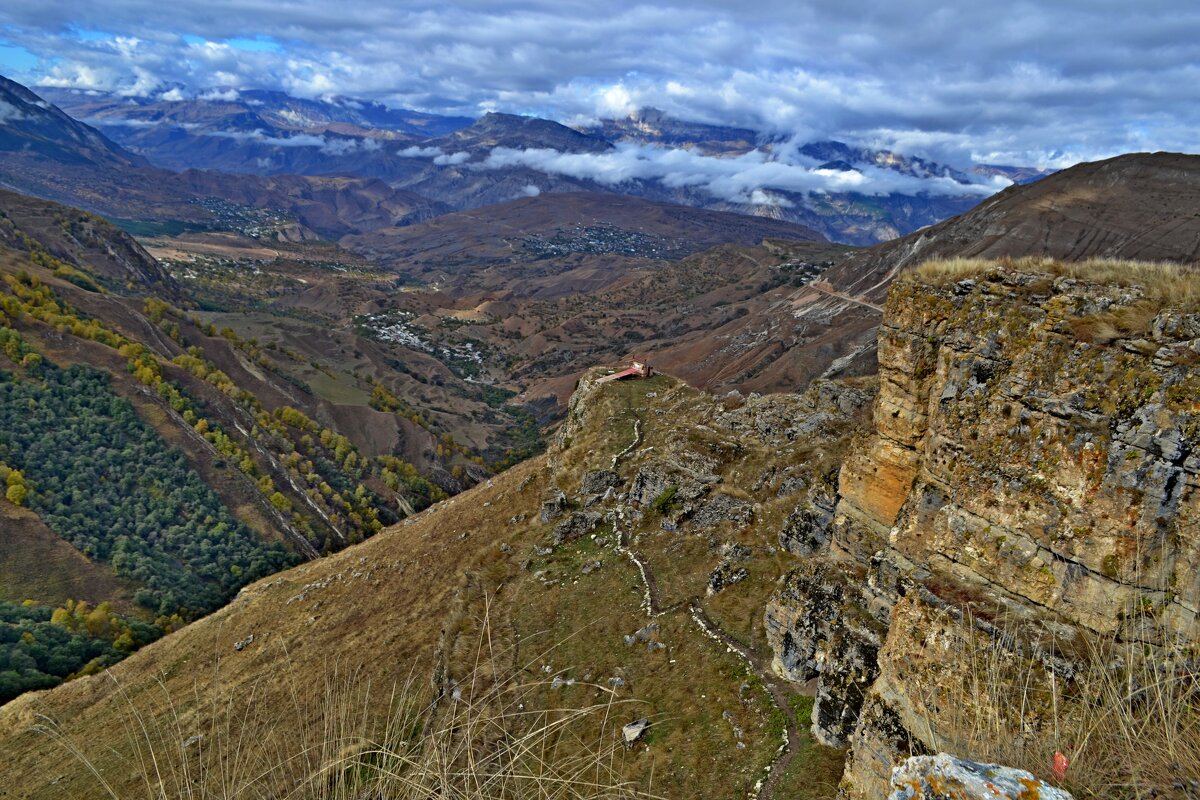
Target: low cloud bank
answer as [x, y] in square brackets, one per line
[330, 145]
[748, 178]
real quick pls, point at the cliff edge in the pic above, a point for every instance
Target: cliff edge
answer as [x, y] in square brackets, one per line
[1022, 517]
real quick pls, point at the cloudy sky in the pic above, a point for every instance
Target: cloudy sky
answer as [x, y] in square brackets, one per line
[1046, 84]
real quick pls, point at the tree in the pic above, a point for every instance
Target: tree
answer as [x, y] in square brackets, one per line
[16, 494]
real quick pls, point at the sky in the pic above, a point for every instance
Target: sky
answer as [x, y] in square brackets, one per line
[1047, 84]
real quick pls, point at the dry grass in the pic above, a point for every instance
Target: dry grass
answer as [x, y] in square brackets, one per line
[1128, 719]
[485, 738]
[1163, 283]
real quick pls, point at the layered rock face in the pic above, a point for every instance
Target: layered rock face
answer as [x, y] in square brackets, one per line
[1031, 478]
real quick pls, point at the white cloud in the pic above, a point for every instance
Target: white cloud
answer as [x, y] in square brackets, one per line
[420, 152]
[10, 113]
[221, 95]
[341, 146]
[748, 178]
[529, 190]
[330, 145]
[451, 159]
[1045, 82]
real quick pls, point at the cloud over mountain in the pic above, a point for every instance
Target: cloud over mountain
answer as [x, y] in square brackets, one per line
[741, 179]
[990, 81]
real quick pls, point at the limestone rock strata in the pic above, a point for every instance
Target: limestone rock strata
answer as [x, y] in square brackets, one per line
[1030, 477]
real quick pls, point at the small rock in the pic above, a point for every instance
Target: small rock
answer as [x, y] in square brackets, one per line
[647, 633]
[735, 552]
[240, 646]
[634, 730]
[616, 681]
[553, 507]
[592, 566]
[725, 575]
[791, 485]
[505, 547]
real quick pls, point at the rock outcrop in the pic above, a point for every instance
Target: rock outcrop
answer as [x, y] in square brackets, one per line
[944, 777]
[1030, 481]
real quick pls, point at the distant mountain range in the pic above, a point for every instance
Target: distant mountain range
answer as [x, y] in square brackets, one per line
[851, 194]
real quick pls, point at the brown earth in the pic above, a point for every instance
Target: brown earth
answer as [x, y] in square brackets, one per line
[35, 564]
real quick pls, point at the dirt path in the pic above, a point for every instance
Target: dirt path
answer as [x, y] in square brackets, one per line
[825, 288]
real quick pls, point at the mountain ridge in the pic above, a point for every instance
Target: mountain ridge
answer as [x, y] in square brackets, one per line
[456, 168]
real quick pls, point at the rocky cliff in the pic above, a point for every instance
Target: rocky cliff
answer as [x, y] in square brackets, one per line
[1029, 488]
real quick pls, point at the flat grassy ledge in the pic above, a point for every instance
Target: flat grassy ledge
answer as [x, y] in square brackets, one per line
[1167, 284]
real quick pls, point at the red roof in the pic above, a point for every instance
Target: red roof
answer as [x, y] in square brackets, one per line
[625, 373]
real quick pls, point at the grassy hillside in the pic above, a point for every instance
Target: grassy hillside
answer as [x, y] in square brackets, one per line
[515, 583]
[154, 462]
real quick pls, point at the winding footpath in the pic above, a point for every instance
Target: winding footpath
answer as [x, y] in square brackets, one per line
[779, 693]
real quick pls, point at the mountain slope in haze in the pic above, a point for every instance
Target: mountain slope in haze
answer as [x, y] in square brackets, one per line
[259, 132]
[1138, 206]
[53, 156]
[652, 126]
[253, 107]
[454, 166]
[31, 126]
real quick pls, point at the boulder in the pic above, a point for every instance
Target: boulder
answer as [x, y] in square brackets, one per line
[723, 508]
[726, 574]
[573, 527]
[598, 482]
[944, 777]
[553, 506]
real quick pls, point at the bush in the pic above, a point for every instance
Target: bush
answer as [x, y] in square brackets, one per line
[665, 503]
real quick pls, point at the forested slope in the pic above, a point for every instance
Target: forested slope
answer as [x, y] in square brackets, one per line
[161, 449]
